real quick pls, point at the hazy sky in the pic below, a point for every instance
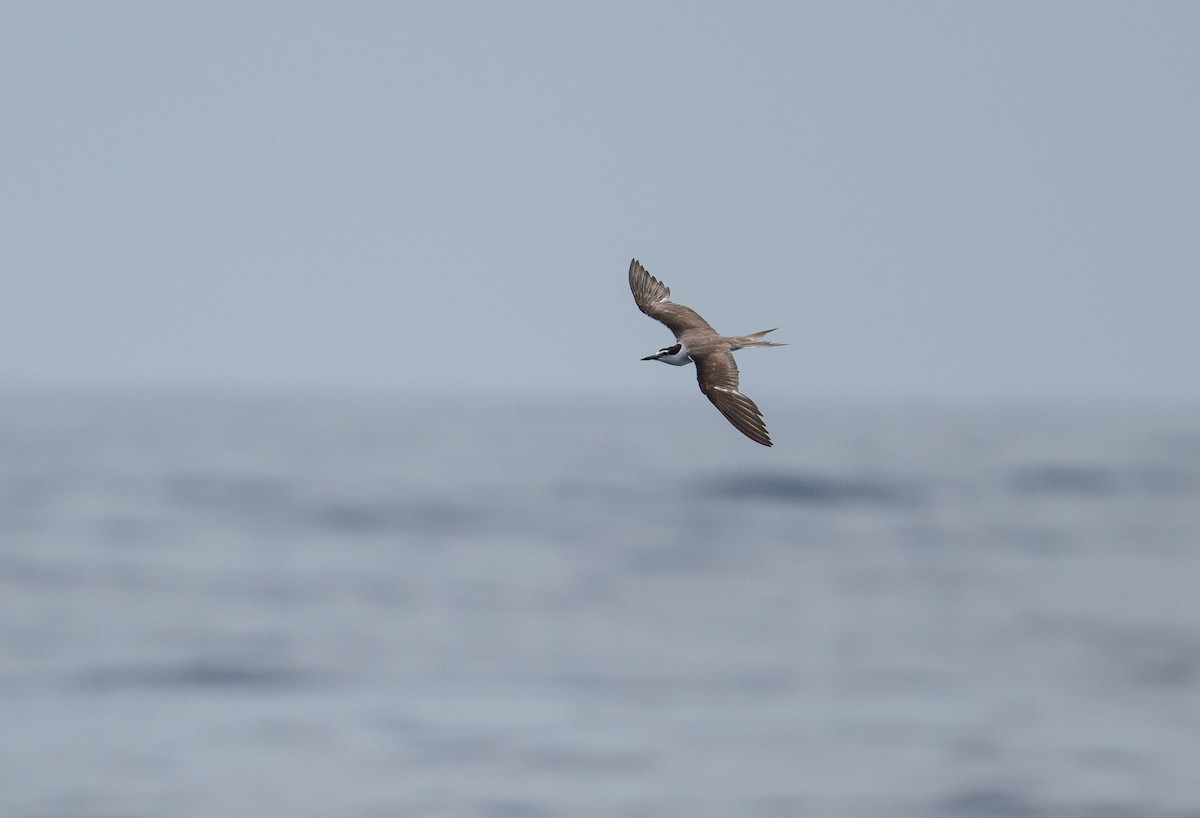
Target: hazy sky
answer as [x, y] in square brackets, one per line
[932, 200]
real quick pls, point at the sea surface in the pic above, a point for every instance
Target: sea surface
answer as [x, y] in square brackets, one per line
[382, 608]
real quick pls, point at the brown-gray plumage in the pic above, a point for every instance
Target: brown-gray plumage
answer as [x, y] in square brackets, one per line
[716, 371]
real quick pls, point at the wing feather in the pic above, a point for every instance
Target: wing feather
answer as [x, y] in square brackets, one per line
[717, 374]
[653, 298]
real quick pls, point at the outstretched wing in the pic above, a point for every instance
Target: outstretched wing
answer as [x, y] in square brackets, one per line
[653, 298]
[717, 373]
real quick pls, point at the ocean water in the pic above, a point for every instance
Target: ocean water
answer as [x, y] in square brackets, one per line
[303, 606]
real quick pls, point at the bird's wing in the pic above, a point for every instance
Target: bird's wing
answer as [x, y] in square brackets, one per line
[717, 373]
[653, 298]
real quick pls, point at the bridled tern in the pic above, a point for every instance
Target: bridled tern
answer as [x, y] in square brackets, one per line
[712, 352]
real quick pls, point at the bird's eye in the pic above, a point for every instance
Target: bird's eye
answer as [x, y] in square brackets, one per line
[671, 350]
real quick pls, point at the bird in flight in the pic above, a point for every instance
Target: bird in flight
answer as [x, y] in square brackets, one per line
[698, 342]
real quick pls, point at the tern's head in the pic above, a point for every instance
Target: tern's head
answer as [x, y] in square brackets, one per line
[675, 355]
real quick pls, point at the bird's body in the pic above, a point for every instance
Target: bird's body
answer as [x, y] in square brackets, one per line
[698, 342]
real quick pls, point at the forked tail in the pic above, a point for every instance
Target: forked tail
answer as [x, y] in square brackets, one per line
[754, 339]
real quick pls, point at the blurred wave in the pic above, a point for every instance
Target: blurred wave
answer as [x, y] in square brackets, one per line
[1097, 481]
[812, 489]
[309, 606]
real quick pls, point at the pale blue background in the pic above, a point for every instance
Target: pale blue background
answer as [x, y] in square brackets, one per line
[934, 200]
[259, 557]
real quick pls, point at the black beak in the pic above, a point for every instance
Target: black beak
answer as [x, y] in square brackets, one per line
[650, 358]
